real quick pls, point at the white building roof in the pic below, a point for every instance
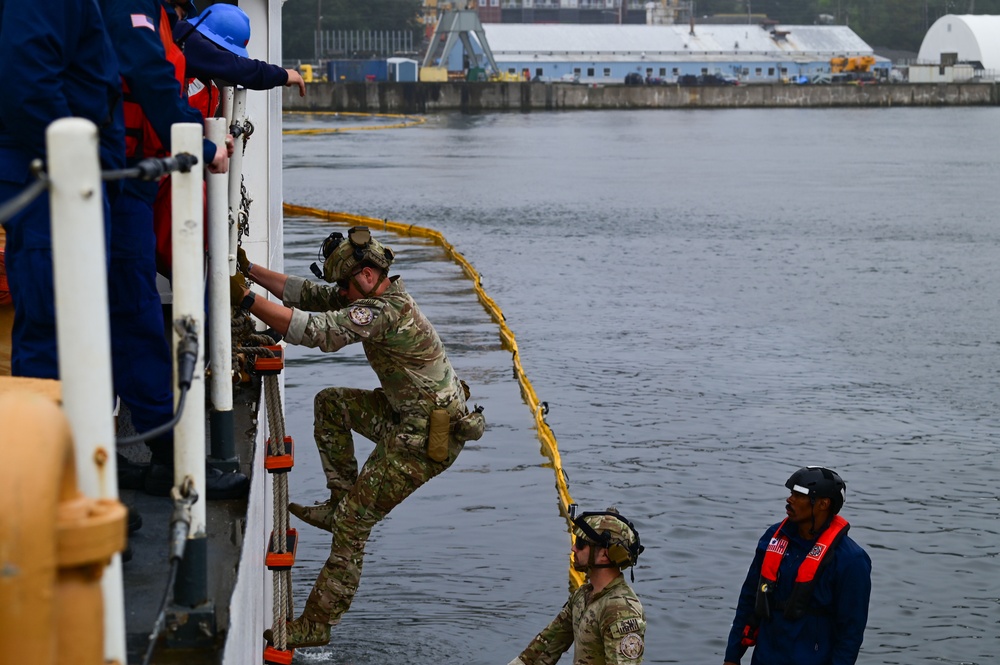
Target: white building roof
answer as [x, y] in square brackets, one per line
[972, 37]
[515, 40]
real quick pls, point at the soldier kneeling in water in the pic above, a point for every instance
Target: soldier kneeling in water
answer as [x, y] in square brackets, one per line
[603, 619]
[418, 419]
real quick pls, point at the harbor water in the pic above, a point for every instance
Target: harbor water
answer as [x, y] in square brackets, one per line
[706, 301]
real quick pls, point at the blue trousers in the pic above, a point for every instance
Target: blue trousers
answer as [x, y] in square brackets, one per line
[142, 366]
[141, 362]
[29, 272]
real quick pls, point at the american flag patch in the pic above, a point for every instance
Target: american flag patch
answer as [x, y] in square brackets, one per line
[816, 552]
[142, 21]
[777, 545]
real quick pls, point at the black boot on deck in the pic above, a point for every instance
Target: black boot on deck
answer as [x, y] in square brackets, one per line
[219, 485]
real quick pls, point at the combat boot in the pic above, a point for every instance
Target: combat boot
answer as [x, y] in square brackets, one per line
[319, 515]
[303, 633]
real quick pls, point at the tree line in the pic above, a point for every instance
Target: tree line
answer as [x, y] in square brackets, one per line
[895, 24]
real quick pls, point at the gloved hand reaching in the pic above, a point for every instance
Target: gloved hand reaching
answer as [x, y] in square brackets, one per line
[242, 262]
[237, 288]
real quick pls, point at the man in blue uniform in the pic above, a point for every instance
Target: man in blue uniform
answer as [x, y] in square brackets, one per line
[57, 62]
[152, 71]
[805, 598]
[214, 45]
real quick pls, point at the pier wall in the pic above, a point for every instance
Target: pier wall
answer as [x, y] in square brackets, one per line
[390, 97]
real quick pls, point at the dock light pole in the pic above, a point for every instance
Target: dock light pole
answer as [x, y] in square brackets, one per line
[191, 599]
[221, 358]
[80, 273]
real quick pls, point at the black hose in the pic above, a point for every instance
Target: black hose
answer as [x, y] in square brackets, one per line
[153, 168]
[180, 525]
[156, 431]
[187, 355]
[161, 616]
[24, 199]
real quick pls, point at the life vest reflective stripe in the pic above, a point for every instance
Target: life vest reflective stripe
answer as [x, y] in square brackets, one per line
[140, 138]
[203, 97]
[805, 577]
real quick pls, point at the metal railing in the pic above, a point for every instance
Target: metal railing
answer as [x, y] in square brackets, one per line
[365, 43]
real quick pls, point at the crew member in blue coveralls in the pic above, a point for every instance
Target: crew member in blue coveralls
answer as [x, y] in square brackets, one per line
[214, 44]
[152, 73]
[805, 598]
[56, 61]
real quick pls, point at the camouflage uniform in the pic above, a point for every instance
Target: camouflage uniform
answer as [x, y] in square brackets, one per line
[406, 353]
[607, 628]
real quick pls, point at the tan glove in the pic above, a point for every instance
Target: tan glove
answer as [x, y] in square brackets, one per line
[242, 262]
[237, 289]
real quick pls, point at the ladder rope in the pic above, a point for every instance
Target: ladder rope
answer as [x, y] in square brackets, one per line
[282, 579]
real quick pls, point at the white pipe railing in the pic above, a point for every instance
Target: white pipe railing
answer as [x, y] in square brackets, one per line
[83, 331]
[218, 279]
[188, 241]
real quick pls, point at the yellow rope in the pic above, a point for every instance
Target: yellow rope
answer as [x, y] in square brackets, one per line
[550, 448]
[407, 121]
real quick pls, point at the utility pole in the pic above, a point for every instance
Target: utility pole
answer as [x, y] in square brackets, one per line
[319, 27]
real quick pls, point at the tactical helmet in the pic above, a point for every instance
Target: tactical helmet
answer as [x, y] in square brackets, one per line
[819, 482]
[342, 258]
[227, 26]
[610, 530]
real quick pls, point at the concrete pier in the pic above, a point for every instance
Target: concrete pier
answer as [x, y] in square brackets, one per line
[390, 97]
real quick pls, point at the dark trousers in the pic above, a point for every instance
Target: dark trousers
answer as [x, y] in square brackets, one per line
[143, 370]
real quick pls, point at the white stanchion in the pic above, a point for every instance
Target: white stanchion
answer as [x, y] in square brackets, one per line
[218, 277]
[189, 309]
[83, 331]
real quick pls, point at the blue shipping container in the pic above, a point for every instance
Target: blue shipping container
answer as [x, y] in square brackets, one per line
[355, 71]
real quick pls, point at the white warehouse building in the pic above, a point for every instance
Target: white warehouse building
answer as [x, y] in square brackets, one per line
[964, 38]
[607, 53]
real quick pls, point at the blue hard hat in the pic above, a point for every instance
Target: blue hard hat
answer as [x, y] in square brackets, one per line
[227, 26]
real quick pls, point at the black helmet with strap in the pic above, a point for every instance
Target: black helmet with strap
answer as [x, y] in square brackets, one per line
[609, 530]
[819, 482]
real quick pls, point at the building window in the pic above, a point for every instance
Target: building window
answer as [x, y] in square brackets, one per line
[538, 72]
[770, 71]
[746, 71]
[576, 70]
[704, 71]
[784, 71]
[590, 71]
[757, 71]
[510, 70]
[649, 71]
[675, 71]
[607, 71]
[663, 71]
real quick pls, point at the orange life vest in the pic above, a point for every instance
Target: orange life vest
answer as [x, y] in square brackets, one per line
[140, 138]
[810, 567]
[203, 97]
[805, 577]
[5, 298]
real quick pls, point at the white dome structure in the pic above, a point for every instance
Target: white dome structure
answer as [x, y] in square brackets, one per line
[975, 38]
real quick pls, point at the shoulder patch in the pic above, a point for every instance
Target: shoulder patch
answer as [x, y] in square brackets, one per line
[631, 646]
[625, 626]
[361, 316]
